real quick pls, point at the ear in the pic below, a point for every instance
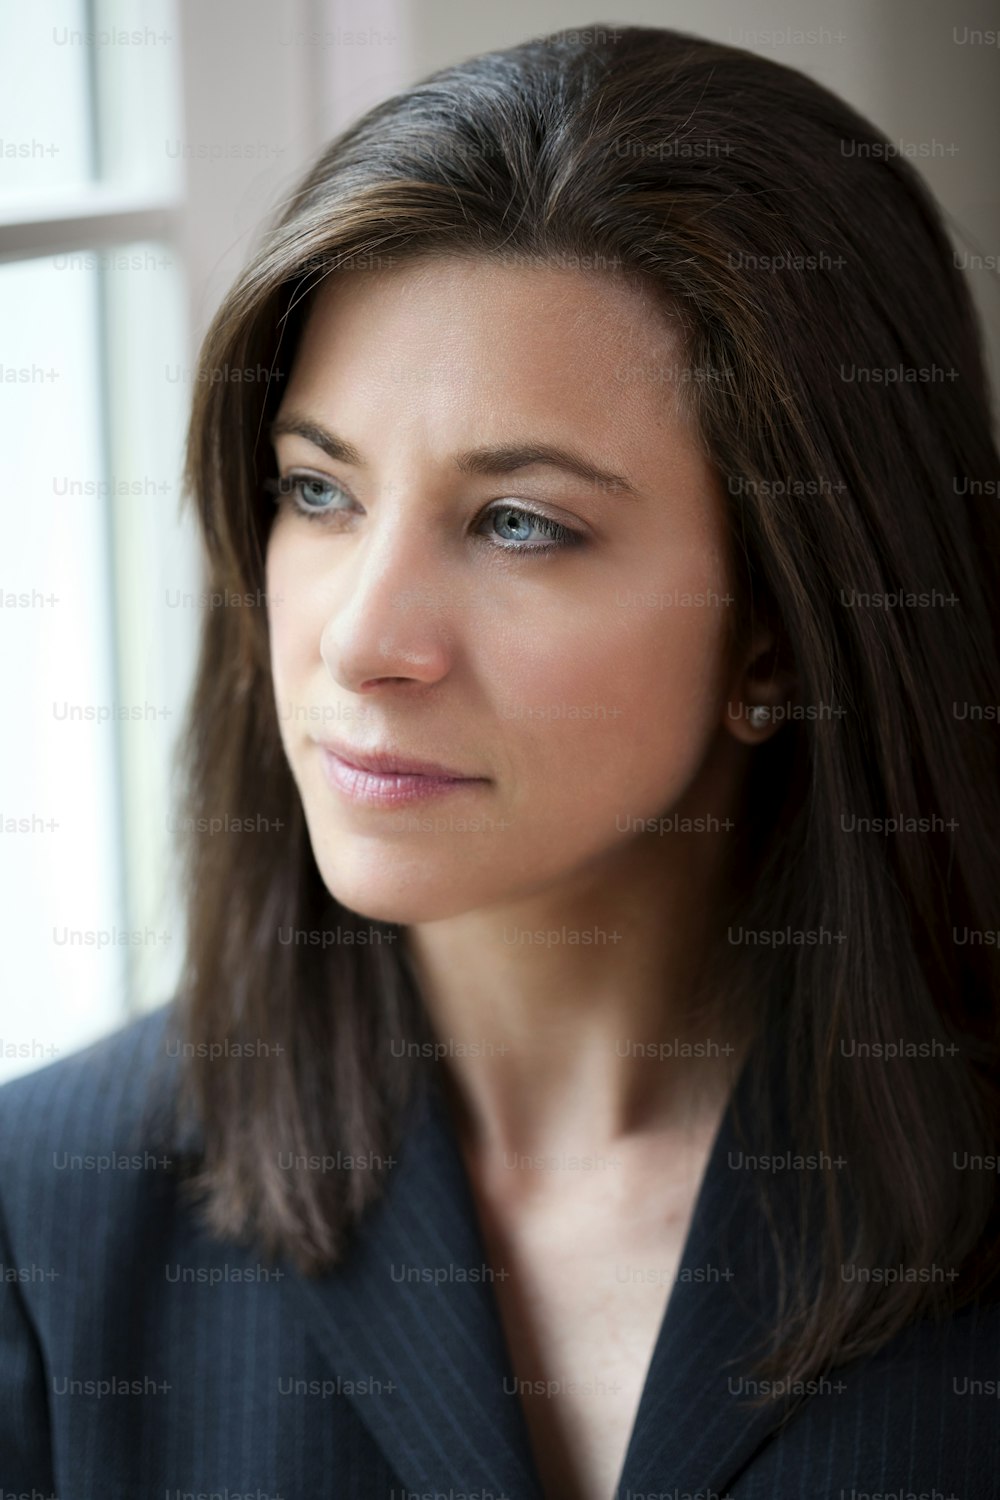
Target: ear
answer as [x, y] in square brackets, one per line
[763, 681]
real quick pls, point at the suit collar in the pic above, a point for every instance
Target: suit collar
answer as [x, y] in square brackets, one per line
[435, 1340]
[694, 1430]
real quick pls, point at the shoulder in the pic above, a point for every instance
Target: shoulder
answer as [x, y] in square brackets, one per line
[95, 1089]
[86, 1128]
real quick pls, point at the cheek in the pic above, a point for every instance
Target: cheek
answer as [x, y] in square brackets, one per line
[292, 645]
[614, 706]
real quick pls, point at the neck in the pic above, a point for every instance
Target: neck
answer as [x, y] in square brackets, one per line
[568, 1017]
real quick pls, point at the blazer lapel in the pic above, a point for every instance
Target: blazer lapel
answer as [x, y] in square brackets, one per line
[693, 1430]
[413, 1307]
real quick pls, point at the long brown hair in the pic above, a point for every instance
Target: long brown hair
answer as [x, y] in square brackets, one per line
[845, 405]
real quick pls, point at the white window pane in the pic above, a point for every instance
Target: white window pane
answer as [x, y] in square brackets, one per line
[45, 102]
[157, 569]
[137, 75]
[89, 93]
[64, 961]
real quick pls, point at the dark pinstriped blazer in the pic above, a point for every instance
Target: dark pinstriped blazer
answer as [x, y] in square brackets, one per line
[140, 1358]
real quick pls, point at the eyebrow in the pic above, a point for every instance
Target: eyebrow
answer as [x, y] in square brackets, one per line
[498, 460]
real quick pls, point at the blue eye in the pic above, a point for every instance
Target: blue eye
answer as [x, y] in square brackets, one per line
[559, 536]
[308, 491]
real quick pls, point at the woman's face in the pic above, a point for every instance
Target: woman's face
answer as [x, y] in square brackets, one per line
[432, 605]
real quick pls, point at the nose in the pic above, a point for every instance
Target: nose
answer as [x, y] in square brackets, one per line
[392, 616]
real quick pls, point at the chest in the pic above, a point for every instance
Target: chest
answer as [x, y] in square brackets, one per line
[582, 1284]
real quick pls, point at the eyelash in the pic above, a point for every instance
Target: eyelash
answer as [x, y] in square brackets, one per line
[291, 487]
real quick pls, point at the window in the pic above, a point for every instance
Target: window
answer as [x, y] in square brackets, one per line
[96, 644]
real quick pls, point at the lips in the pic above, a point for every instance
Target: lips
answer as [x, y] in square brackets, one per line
[385, 761]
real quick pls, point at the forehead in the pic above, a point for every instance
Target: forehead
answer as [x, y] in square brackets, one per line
[465, 329]
[428, 279]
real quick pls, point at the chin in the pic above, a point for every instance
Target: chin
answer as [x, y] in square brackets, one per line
[400, 892]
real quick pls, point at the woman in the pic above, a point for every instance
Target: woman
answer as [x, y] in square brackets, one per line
[584, 1075]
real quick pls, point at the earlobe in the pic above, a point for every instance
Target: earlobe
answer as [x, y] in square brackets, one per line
[762, 685]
